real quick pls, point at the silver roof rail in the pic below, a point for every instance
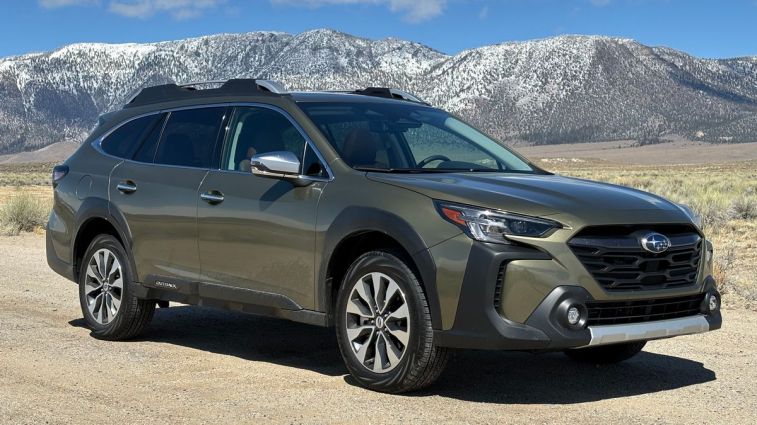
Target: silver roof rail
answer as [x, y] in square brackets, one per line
[390, 93]
[272, 86]
[269, 85]
[196, 84]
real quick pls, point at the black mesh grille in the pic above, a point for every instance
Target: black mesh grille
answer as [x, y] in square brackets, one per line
[616, 260]
[498, 286]
[619, 312]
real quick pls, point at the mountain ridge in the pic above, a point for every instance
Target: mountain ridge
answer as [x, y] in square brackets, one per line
[571, 88]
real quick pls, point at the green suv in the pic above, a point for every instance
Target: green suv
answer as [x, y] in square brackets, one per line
[406, 229]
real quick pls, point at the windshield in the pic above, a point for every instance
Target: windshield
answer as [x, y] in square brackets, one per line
[392, 137]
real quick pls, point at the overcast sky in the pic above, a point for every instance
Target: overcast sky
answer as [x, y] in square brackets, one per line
[716, 28]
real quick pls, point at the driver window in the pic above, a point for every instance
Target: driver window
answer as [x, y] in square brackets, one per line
[256, 130]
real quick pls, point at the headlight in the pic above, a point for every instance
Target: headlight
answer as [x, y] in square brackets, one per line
[494, 226]
[695, 218]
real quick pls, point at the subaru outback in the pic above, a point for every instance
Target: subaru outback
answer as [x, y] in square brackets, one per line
[400, 225]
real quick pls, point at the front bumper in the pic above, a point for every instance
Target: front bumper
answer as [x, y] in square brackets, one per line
[614, 334]
[479, 325]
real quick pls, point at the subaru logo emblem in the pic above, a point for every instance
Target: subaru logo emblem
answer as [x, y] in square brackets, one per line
[655, 243]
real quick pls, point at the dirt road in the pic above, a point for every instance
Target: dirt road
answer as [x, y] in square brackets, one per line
[199, 365]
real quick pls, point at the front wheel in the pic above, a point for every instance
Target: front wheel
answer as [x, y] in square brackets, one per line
[606, 354]
[383, 326]
[106, 295]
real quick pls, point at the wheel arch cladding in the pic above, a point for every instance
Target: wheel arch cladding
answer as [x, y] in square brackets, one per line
[95, 217]
[357, 230]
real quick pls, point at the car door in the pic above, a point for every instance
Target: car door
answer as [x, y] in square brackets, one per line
[258, 233]
[156, 192]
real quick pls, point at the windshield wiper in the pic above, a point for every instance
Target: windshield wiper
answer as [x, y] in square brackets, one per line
[403, 170]
[428, 170]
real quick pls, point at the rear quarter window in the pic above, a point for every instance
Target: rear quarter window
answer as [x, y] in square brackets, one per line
[125, 140]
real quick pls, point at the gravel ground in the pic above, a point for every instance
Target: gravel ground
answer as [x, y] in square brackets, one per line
[198, 365]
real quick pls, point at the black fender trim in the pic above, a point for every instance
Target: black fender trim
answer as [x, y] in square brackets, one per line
[99, 208]
[356, 220]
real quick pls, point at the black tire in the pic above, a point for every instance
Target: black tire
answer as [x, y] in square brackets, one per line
[606, 354]
[422, 362]
[134, 314]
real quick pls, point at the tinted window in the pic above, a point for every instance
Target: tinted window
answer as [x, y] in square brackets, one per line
[260, 130]
[146, 152]
[189, 137]
[125, 139]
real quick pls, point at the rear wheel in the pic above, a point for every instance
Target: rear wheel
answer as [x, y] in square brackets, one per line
[106, 292]
[383, 326]
[606, 354]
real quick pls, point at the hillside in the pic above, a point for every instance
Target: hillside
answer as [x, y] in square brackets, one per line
[557, 90]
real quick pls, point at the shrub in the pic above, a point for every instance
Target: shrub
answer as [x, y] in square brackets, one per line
[743, 208]
[23, 213]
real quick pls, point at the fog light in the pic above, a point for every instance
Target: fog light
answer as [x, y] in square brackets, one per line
[714, 304]
[574, 315]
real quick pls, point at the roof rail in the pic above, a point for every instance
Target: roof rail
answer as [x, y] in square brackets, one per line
[169, 92]
[390, 93]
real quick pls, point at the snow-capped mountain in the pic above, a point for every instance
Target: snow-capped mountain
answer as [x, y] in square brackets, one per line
[562, 89]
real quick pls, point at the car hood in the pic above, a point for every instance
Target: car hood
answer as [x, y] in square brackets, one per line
[577, 202]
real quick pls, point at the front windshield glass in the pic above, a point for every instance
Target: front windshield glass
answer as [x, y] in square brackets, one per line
[394, 137]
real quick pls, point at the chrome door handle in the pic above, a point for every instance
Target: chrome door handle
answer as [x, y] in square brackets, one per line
[213, 197]
[127, 187]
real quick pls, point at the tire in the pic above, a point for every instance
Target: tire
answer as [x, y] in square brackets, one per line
[384, 329]
[606, 354]
[121, 315]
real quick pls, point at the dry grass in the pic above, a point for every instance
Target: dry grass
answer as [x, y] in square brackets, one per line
[725, 195]
[25, 174]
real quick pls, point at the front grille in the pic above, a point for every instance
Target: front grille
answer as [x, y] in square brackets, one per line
[614, 257]
[620, 312]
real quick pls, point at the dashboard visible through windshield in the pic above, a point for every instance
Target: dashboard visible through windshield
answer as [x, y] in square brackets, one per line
[391, 137]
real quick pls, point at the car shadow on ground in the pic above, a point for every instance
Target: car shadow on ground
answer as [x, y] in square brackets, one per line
[480, 376]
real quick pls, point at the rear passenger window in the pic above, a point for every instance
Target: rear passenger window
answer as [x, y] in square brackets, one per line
[189, 137]
[125, 139]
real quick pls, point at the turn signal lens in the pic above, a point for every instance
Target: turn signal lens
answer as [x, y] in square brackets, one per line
[453, 216]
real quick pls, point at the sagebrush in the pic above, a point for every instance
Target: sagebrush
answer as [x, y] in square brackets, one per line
[23, 213]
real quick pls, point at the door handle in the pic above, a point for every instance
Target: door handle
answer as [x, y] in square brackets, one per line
[213, 197]
[127, 187]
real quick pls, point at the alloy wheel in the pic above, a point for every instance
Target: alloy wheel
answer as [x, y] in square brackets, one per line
[103, 287]
[378, 322]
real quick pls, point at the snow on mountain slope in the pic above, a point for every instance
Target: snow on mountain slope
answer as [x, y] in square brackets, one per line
[555, 90]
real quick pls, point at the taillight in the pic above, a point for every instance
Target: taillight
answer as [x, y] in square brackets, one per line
[59, 171]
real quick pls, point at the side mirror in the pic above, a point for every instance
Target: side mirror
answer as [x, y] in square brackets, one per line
[278, 165]
[275, 164]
